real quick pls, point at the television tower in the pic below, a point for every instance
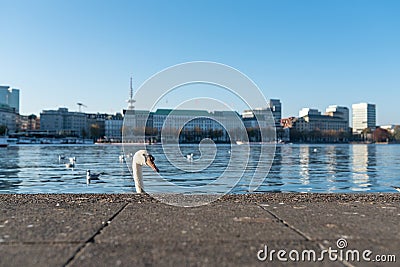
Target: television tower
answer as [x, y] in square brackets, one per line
[131, 101]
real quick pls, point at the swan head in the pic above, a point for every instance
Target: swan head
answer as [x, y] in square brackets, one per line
[142, 157]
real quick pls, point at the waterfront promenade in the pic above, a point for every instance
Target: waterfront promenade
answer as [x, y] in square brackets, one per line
[136, 230]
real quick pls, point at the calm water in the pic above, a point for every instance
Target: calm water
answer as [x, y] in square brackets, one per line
[295, 168]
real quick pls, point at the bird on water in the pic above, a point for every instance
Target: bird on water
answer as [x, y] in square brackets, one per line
[91, 176]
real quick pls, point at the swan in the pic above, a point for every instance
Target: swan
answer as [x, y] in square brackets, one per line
[142, 157]
[91, 176]
[189, 157]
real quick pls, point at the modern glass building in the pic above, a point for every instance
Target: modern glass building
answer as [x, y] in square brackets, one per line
[276, 108]
[364, 116]
[10, 97]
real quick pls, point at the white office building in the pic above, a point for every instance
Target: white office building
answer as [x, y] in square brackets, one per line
[311, 119]
[309, 112]
[338, 112]
[364, 116]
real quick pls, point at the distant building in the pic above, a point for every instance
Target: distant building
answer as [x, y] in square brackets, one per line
[10, 97]
[339, 112]
[113, 127]
[8, 118]
[136, 124]
[28, 123]
[390, 128]
[288, 122]
[9, 108]
[64, 122]
[309, 112]
[322, 123]
[176, 118]
[311, 120]
[261, 117]
[95, 127]
[199, 122]
[276, 109]
[312, 126]
[364, 116]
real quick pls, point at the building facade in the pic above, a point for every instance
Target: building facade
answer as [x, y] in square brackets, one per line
[321, 123]
[261, 117]
[192, 125]
[113, 127]
[312, 120]
[28, 123]
[339, 112]
[364, 116]
[10, 97]
[64, 122]
[9, 108]
[8, 118]
[275, 106]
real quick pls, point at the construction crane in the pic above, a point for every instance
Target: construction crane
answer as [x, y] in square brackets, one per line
[80, 105]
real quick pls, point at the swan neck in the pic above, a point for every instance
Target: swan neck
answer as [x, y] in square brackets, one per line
[138, 177]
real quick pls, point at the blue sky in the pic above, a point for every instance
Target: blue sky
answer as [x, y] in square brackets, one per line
[306, 53]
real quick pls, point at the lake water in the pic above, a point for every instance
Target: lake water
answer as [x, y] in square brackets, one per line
[295, 168]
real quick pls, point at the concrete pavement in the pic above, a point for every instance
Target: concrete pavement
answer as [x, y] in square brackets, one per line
[136, 230]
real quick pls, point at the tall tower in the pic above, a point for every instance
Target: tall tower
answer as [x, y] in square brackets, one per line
[131, 101]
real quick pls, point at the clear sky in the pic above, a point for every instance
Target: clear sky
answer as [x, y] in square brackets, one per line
[306, 53]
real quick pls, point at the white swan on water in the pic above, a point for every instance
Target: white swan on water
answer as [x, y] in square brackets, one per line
[142, 157]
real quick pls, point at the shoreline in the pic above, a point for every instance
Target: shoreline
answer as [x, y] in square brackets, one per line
[137, 230]
[248, 197]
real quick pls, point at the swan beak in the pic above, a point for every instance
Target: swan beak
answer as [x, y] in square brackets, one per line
[151, 164]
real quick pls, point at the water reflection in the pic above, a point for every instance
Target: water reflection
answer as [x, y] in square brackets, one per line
[364, 167]
[304, 165]
[274, 177]
[337, 162]
[9, 169]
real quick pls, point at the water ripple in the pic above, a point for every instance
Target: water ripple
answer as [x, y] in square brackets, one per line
[296, 168]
